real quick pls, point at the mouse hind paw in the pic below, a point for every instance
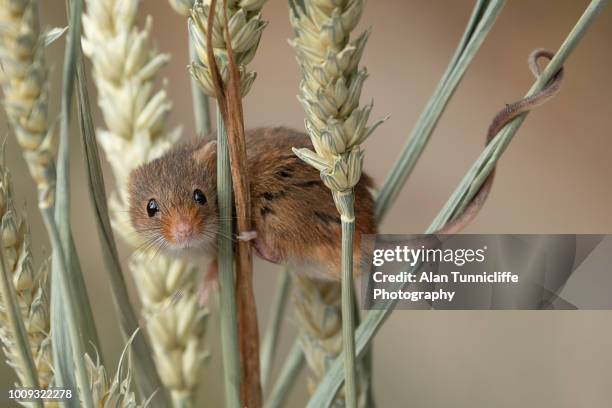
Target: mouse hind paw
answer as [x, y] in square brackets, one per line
[268, 253]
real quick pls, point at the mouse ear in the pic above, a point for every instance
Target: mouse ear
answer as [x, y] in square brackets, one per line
[205, 152]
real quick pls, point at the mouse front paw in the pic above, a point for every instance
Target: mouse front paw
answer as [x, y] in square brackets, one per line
[247, 235]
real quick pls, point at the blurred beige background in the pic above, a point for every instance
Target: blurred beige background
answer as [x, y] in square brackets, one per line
[554, 178]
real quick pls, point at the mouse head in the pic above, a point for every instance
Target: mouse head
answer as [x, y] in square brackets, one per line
[173, 199]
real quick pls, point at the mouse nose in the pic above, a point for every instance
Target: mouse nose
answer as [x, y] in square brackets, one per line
[183, 229]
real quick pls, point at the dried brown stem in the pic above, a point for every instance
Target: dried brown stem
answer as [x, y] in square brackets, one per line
[230, 104]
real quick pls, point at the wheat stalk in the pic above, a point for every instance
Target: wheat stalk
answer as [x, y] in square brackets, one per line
[225, 36]
[482, 18]
[329, 92]
[125, 65]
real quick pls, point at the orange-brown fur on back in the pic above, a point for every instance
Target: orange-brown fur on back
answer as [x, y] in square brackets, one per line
[294, 215]
[294, 212]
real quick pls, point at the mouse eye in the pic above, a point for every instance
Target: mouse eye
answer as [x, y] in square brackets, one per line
[152, 207]
[199, 197]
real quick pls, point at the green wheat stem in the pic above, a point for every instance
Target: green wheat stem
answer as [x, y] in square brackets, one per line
[270, 341]
[11, 309]
[292, 367]
[329, 93]
[367, 362]
[62, 197]
[201, 110]
[67, 281]
[348, 301]
[332, 382]
[71, 318]
[483, 17]
[227, 294]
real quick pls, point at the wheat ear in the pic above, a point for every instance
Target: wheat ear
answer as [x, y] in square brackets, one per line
[125, 66]
[114, 393]
[329, 92]
[25, 85]
[30, 287]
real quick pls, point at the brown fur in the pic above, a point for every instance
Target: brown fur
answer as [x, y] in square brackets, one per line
[293, 212]
[171, 180]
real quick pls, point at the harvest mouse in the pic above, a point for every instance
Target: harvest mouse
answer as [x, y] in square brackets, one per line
[173, 198]
[173, 203]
